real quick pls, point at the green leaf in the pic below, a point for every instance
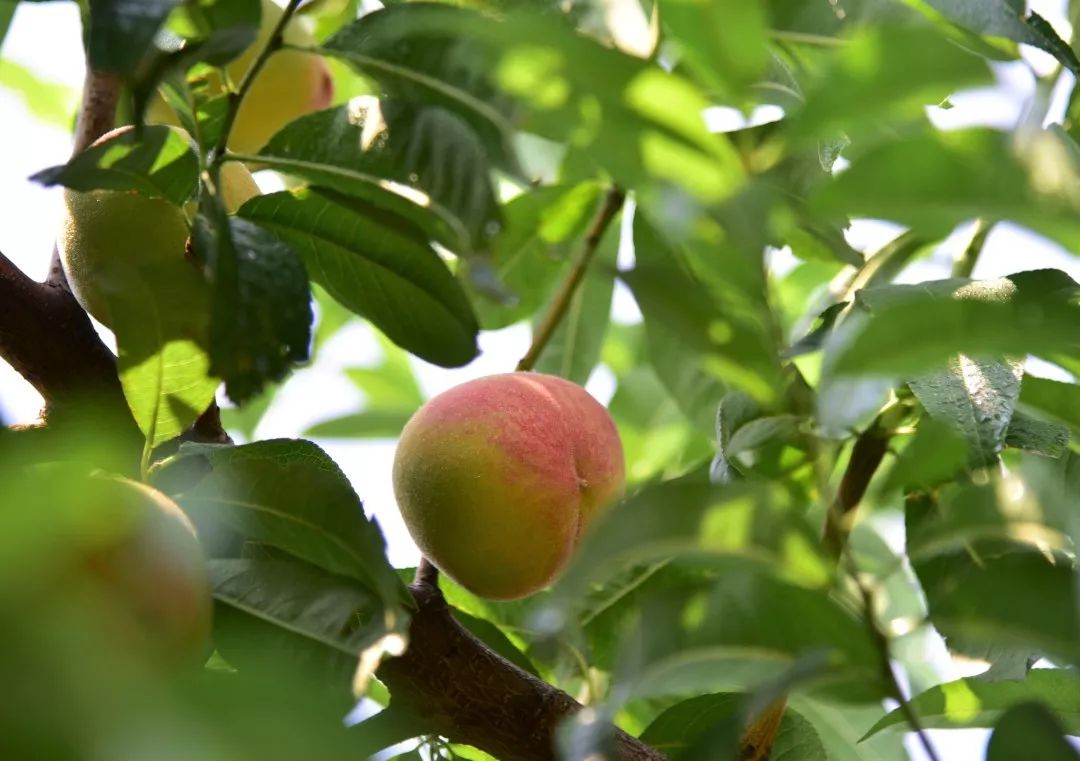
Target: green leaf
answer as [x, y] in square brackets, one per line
[975, 702]
[291, 495]
[367, 424]
[233, 27]
[935, 454]
[277, 611]
[375, 267]
[1054, 398]
[424, 54]
[932, 181]
[976, 397]
[841, 727]
[923, 328]
[261, 304]
[698, 344]
[735, 410]
[751, 443]
[7, 13]
[1005, 18]
[161, 163]
[691, 730]
[50, 102]
[725, 42]
[165, 374]
[1029, 730]
[1036, 436]
[629, 116]
[882, 72]
[742, 523]
[965, 515]
[574, 348]
[385, 153]
[725, 624]
[1020, 599]
[121, 32]
[736, 634]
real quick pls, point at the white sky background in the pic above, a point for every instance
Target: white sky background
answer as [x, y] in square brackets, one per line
[45, 37]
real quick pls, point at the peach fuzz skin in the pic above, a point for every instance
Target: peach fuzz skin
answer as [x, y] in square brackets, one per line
[498, 478]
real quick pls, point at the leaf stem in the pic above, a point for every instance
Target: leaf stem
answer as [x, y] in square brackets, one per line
[866, 455]
[613, 202]
[426, 573]
[801, 38]
[965, 263]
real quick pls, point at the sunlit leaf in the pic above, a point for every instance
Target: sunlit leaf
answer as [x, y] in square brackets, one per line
[158, 164]
[974, 702]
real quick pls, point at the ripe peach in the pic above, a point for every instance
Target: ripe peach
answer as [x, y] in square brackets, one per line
[498, 478]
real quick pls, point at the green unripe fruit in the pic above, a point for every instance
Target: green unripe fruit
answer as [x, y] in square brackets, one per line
[498, 478]
[290, 85]
[113, 243]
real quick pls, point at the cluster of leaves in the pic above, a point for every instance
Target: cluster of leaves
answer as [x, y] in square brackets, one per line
[445, 197]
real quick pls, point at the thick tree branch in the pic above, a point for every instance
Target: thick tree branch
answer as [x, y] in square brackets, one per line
[471, 695]
[47, 337]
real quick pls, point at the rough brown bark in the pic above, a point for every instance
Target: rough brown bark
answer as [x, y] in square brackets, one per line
[471, 695]
[47, 337]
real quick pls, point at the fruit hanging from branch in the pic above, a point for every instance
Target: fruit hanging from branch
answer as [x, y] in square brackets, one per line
[498, 478]
[116, 243]
[291, 83]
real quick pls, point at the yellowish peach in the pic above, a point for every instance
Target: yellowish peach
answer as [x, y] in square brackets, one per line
[114, 242]
[291, 84]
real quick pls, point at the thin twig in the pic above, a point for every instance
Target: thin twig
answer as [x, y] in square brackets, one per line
[965, 263]
[866, 455]
[613, 202]
[883, 646]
